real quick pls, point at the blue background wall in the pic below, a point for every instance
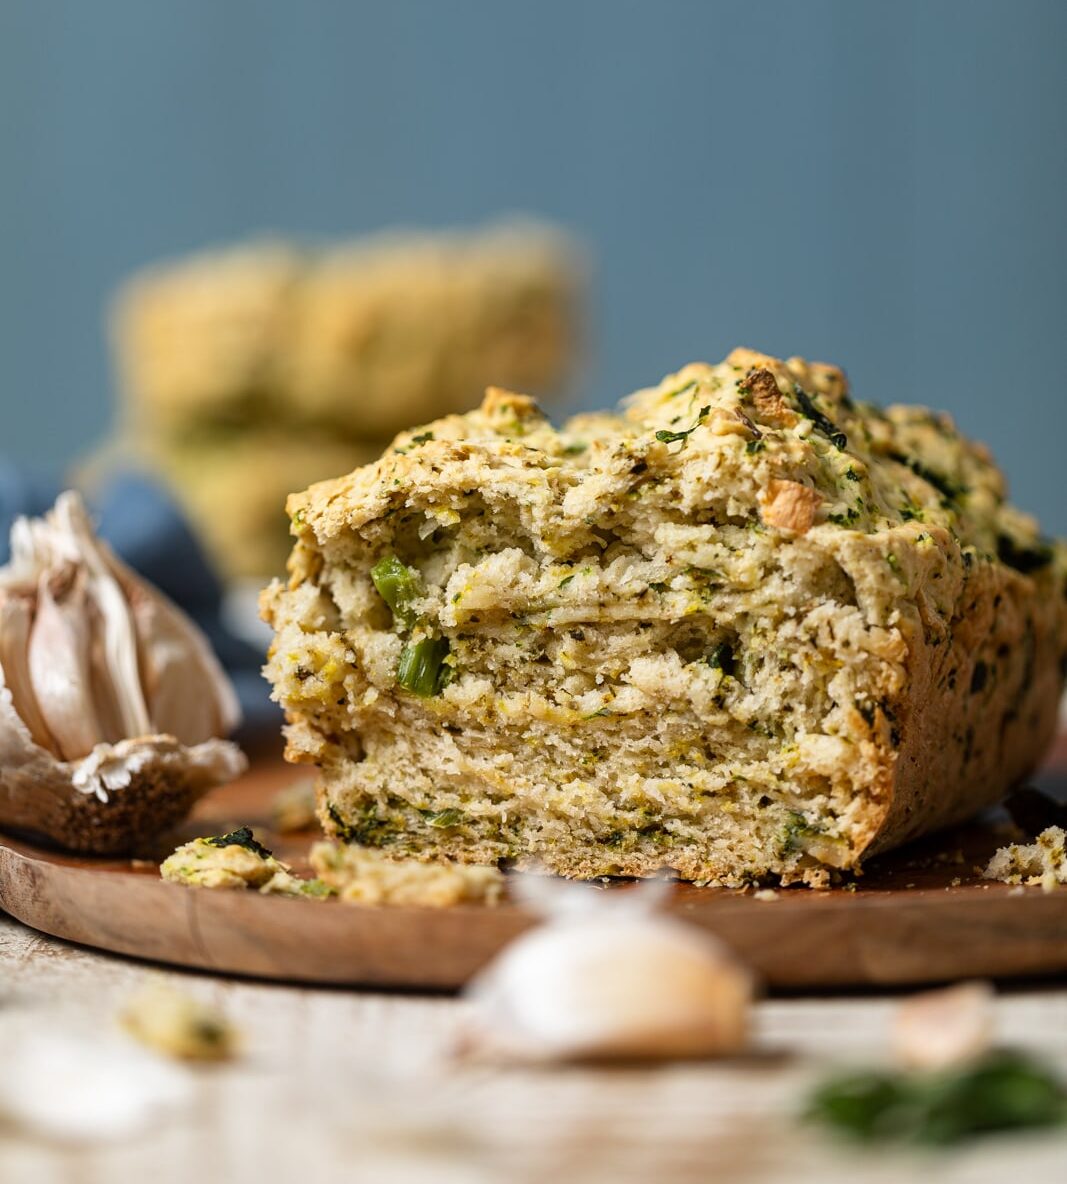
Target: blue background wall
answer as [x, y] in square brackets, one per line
[878, 184]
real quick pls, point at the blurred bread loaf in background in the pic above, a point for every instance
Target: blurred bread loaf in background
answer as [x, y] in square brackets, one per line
[257, 369]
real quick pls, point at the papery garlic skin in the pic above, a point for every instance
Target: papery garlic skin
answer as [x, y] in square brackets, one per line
[115, 767]
[944, 1029]
[178, 663]
[109, 695]
[611, 980]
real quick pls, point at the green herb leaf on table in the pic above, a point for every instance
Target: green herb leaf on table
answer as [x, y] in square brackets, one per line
[1003, 1091]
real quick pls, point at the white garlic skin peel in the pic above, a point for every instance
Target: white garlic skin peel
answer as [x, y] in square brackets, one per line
[608, 977]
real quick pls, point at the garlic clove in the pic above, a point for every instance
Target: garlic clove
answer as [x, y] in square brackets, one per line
[189, 695]
[609, 981]
[946, 1028]
[58, 662]
[16, 622]
[107, 692]
[187, 692]
[150, 667]
[22, 758]
[118, 639]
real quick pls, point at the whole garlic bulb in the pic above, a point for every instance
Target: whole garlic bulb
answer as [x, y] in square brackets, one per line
[112, 704]
[608, 977]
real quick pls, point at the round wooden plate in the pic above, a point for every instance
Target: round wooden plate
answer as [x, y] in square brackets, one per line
[919, 915]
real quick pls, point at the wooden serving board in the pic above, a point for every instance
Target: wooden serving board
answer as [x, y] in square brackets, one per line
[917, 915]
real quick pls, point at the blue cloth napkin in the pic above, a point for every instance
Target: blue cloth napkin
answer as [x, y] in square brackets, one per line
[144, 526]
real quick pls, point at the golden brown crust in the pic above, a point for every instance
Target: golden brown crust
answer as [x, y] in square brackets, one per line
[981, 706]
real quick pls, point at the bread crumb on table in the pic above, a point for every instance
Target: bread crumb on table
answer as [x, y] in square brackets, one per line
[178, 1025]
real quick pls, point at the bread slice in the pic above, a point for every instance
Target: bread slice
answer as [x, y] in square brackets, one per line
[746, 629]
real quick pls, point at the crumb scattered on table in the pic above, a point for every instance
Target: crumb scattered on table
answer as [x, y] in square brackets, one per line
[178, 1025]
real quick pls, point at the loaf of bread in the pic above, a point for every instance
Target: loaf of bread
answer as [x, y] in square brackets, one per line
[747, 629]
[258, 369]
[233, 488]
[362, 338]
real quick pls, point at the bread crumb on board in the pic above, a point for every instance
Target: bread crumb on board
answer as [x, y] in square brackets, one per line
[1042, 862]
[236, 861]
[355, 874]
[360, 875]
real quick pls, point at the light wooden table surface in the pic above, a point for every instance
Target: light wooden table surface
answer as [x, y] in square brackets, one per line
[358, 1086]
